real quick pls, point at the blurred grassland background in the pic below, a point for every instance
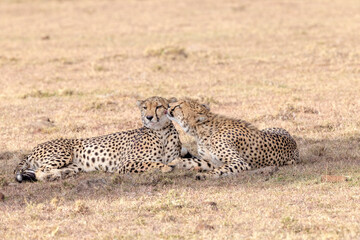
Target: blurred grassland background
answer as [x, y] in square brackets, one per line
[76, 68]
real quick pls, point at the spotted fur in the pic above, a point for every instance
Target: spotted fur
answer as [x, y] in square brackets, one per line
[152, 146]
[228, 146]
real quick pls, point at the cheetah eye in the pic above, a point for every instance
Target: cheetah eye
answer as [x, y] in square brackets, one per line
[144, 108]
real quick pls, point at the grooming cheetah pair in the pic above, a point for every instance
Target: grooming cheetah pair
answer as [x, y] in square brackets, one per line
[226, 146]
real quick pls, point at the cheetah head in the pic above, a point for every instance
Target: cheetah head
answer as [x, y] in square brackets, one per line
[153, 112]
[188, 114]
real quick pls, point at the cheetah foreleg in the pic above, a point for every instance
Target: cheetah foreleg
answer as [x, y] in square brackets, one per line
[144, 166]
[192, 164]
[233, 162]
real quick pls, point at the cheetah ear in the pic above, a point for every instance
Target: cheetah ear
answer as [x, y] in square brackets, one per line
[139, 103]
[173, 99]
[206, 106]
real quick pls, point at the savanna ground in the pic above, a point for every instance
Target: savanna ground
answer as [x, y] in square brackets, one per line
[83, 64]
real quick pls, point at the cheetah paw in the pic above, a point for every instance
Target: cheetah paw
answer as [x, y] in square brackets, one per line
[177, 163]
[167, 169]
[47, 177]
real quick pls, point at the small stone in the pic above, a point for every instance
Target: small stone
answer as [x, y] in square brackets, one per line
[2, 197]
[213, 205]
[333, 178]
[204, 226]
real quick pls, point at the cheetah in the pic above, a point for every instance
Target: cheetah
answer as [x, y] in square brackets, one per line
[228, 146]
[152, 146]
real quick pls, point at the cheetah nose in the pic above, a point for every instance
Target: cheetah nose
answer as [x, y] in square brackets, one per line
[149, 117]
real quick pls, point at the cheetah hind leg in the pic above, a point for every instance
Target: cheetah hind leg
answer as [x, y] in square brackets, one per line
[60, 173]
[229, 169]
[282, 132]
[51, 164]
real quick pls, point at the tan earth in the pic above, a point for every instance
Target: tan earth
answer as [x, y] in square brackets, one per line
[76, 68]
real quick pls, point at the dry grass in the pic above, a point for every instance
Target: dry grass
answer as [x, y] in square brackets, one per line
[76, 68]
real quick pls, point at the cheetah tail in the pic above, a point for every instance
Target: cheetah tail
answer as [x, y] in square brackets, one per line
[23, 171]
